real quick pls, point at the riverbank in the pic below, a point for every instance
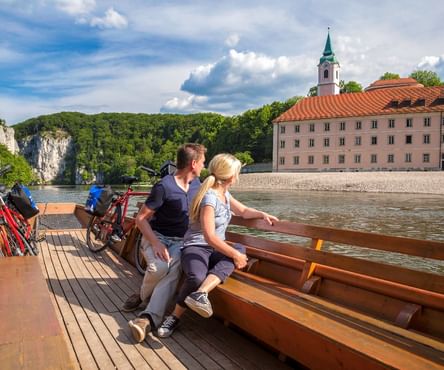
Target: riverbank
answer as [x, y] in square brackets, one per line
[374, 182]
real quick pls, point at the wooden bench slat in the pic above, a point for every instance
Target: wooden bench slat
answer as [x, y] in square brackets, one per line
[413, 247]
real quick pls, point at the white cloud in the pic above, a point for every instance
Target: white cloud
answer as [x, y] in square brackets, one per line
[112, 19]
[431, 62]
[76, 7]
[243, 79]
[232, 40]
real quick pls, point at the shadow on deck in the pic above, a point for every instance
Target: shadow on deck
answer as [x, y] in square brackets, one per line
[88, 290]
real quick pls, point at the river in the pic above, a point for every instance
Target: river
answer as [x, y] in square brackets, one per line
[411, 215]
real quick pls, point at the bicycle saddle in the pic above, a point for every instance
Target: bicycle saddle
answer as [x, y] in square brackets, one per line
[129, 179]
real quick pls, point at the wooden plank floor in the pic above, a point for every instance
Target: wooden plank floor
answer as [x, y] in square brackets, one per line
[88, 290]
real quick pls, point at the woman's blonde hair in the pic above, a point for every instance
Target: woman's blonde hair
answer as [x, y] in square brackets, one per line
[222, 168]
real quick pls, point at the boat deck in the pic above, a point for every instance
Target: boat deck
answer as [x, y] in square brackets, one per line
[88, 290]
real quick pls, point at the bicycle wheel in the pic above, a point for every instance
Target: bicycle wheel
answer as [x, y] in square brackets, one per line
[14, 242]
[139, 258]
[24, 228]
[98, 233]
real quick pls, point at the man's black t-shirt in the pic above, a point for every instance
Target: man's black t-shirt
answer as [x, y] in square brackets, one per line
[171, 204]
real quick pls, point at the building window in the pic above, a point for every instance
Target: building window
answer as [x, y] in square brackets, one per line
[391, 123]
[326, 73]
[426, 157]
[373, 158]
[391, 139]
[296, 143]
[358, 125]
[297, 128]
[282, 129]
[427, 139]
[281, 160]
[442, 139]
[341, 126]
[341, 141]
[408, 157]
[282, 144]
[374, 123]
[391, 158]
[426, 121]
[325, 159]
[357, 158]
[337, 74]
[408, 139]
[311, 143]
[312, 127]
[311, 159]
[327, 126]
[326, 141]
[374, 140]
[296, 160]
[409, 122]
[357, 140]
[341, 158]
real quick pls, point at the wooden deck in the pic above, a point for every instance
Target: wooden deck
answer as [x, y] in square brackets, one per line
[88, 290]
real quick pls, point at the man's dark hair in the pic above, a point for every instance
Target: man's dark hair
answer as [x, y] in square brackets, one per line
[188, 153]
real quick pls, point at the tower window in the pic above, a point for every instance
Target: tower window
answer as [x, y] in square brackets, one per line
[326, 73]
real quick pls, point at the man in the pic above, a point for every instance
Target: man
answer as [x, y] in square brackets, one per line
[163, 221]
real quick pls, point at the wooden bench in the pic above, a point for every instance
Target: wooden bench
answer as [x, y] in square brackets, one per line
[30, 334]
[334, 311]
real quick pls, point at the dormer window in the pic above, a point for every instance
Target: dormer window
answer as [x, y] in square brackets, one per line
[326, 73]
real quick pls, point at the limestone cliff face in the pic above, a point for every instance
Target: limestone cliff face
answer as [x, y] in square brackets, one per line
[7, 138]
[48, 153]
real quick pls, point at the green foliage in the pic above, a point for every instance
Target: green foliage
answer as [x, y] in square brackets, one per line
[427, 78]
[244, 157]
[349, 87]
[389, 76]
[2, 123]
[313, 91]
[20, 169]
[116, 144]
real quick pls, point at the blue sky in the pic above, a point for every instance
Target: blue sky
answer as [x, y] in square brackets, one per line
[184, 56]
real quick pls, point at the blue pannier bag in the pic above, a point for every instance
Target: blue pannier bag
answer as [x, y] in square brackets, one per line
[21, 199]
[99, 199]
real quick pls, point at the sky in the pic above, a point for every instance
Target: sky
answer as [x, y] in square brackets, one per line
[170, 56]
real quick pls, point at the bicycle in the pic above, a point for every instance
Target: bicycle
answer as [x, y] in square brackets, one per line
[16, 234]
[103, 231]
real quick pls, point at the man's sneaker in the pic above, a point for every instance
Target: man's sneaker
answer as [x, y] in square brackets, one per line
[199, 303]
[139, 327]
[132, 303]
[168, 326]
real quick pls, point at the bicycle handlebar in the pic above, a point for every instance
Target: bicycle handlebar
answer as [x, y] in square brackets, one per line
[149, 170]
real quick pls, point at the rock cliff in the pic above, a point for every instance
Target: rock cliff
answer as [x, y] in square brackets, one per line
[48, 153]
[7, 138]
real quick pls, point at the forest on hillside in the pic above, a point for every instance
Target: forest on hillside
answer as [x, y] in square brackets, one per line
[117, 143]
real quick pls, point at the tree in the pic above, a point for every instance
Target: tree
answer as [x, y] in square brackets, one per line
[244, 157]
[349, 87]
[427, 78]
[20, 169]
[313, 91]
[389, 76]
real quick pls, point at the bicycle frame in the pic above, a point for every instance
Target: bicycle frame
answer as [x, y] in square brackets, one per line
[7, 215]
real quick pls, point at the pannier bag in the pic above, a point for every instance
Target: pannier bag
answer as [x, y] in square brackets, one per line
[99, 199]
[21, 199]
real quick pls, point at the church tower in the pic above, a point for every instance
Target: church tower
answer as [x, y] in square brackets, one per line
[328, 71]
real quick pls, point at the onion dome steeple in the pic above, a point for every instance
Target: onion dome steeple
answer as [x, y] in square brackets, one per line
[328, 54]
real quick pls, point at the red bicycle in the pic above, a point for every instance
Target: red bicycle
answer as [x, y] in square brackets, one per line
[16, 235]
[103, 231]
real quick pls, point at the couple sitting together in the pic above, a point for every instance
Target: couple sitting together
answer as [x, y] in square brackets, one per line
[183, 227]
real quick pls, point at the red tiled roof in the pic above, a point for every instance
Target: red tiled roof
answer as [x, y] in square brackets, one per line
[389, 84]
[371, 103]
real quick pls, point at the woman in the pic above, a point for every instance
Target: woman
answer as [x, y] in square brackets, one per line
[207, 260]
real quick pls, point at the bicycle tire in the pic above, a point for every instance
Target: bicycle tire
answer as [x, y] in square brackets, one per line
[139, 258]
[97, 238]
[24, 229]
[13, 243]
